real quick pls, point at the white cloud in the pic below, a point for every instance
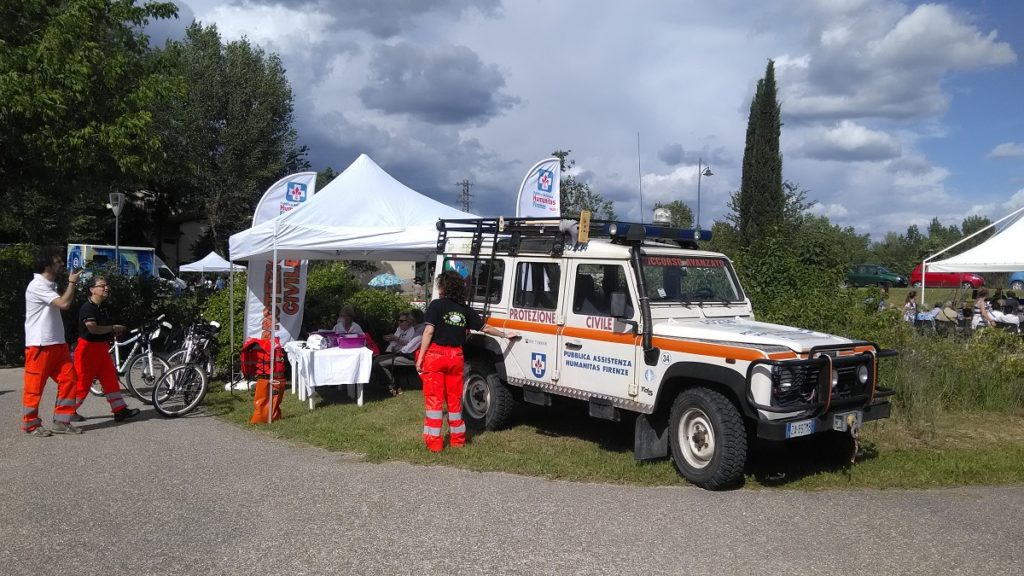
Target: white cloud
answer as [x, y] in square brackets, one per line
[1007, 150]
[850, 142]
[830, 211]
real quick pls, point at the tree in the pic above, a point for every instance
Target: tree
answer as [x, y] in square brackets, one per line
[681, 215]
[324, 177]
[761, 194]
[232, 132]
[75, 110]
[575, 196]
[972, 224]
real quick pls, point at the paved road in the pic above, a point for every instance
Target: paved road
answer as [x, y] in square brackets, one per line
[199, 496]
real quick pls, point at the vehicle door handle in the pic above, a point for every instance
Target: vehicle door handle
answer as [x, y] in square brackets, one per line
[572, 346]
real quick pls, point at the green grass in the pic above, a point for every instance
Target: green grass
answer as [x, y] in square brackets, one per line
[954, 449]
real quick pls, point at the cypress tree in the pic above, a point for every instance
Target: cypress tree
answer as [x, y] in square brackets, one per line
[762, 199]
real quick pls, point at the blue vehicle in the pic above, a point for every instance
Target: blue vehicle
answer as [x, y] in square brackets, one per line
[1016, 281]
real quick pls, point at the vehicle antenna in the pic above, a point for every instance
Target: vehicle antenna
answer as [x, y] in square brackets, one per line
[639, 177]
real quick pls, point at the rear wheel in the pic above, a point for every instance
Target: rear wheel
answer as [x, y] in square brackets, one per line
[487, 403]
[708, 439]
[1017, 285]
[141, 375]
[967, 286]
[179, 391]
[916, 284]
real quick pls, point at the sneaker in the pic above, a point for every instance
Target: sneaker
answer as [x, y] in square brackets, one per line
[76, 417]
[62, 428]
[122, 415]
[40, 432]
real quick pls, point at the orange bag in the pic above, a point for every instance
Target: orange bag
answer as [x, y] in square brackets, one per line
[264, 392]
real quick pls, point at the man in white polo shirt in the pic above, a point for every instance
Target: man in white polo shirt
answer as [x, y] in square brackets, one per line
[46, 350]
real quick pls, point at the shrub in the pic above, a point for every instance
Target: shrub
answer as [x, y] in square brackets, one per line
[378, 310]
[15, 274]
[217, 307]
[328, 286]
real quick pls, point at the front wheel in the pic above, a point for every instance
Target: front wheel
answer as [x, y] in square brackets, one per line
[708, 439]
[916, 284]
[487, 403]
[179, 391]
[1017, 285]
[141, 375]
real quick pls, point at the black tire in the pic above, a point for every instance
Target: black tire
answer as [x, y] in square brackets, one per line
[139, 378]
[487, 403]
[916, 284]
[708, 439]
[179, 391]
[176, 358]
[96, 389]
[967, 286]
[1017, 285]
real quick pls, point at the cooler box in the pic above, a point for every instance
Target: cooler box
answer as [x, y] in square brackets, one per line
[351, 341]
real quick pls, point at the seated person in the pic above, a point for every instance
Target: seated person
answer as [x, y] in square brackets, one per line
[417, 320]
[345, 323]
[400, 356]
[403, 334]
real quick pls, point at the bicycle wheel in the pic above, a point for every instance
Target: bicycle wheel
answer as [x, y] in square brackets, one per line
[140, 376]
[179, 390]
[176, 358]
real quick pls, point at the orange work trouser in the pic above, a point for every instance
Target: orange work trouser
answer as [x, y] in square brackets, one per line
[92, 361]
[41, 364]
[442, 381]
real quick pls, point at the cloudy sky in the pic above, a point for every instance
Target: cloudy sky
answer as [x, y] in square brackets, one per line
[894, 112]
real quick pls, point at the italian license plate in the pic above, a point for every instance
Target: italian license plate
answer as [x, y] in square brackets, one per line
[799, 428]
[844, 420]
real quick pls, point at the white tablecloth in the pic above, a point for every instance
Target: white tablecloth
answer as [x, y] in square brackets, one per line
[328, 367]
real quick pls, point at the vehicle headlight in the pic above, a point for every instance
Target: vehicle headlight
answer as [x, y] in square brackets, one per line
[785, 376]
[862, 374]
[835, 377]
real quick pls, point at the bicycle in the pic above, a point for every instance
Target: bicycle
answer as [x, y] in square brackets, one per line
[141, 367]
[182, 388]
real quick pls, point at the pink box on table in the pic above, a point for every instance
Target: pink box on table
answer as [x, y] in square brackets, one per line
[338, 340]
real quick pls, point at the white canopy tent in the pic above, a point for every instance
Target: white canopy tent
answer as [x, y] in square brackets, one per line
[1000, 253]
[363, 214]
[212, 262]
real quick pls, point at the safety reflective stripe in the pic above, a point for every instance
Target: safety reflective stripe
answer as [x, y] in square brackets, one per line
[460, 429]
[26, 411]
[454, 416]
[113, 396]
[435, 414]
[66, 402]
[28, 425]
[431, 431]
[65, 418]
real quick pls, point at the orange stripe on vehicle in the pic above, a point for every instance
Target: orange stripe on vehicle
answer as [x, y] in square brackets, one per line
[523, 326]
[787, 355]
[602, 335]
[705, 349]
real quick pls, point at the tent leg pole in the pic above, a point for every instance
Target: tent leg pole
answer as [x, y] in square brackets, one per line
[273, 330]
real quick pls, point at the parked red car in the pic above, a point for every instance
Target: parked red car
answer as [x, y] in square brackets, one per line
[947, 279]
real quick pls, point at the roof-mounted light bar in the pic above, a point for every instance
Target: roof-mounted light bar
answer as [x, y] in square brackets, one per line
[634, 232]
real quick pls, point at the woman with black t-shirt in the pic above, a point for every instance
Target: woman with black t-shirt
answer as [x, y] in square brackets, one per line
[440, 360]
[92, 357]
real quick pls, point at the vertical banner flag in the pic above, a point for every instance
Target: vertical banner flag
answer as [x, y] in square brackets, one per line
[285, 195]
[539, 193]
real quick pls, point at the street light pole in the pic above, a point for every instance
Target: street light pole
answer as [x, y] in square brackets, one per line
[706, 171]
[116, 204]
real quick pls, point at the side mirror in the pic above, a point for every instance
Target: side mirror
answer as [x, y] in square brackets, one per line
[618, 304]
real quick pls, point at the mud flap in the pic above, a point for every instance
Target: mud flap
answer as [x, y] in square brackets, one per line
[650, 439]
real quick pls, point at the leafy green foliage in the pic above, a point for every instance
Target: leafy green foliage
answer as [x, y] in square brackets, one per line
[329, 285]
[761, 200]
[377, 311]
[15, 274]
[75, 109]
[575, 196]
[218, 308]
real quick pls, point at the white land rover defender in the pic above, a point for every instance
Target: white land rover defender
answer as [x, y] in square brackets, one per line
[628, 316]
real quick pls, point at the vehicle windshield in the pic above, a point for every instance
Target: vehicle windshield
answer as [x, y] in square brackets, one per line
[689, 279]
